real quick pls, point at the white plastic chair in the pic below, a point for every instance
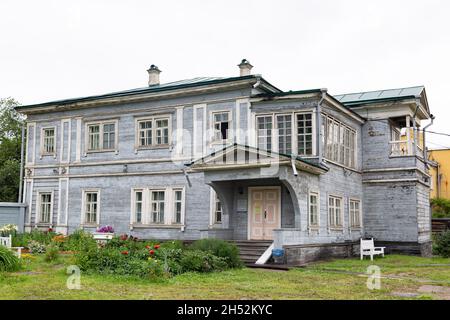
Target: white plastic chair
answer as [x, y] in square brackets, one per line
[7, 242]
[368, 249]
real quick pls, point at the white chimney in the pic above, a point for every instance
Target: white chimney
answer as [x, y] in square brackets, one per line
[245, 68]
[153, 75]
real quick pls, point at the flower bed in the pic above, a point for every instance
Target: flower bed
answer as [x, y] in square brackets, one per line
[127, 255]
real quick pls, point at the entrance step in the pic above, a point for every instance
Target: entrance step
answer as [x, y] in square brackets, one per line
[250, 251]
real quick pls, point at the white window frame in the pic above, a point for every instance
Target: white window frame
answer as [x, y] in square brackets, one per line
[334, 142]
[230, 132]
[212, 210]
[153, 119]
[277, 131]
[169, 207]
[133, 206]
[183, 203]
[317, 195]
[333, 226]
[313, 134]
[352, 227]
[42, 142]
[83, 207]
[101, 124]
[164, 202]
[294, 128]
[38, 208]
[272, 131]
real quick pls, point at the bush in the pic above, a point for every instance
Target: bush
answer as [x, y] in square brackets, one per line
[44, 237]
[220, 248]
[202, 261]
[77, 241]
[441, 246]
[113, 261]
[8, 260]
[440, 208]
[36, 247]
[51, 253]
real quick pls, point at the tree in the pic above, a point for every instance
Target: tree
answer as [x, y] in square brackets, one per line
[10, 141]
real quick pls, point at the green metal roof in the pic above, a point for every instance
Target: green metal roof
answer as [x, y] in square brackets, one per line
[359, 98]
[188, 83]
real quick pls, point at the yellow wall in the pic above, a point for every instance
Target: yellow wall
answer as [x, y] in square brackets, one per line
[443, 158]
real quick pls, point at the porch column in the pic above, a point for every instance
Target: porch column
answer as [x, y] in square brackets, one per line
[408, 134]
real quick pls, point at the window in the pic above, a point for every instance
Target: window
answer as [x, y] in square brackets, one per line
[217, 210]
[157, 206]
[101, 136]
[221, 126]
[294, 133]
[305, 134]
[153, 132]
[264, 125]
[335, 212]
[162, 132]
[91, 207]
[45, 207]
[284, 125]
[313, 209]
[178, 206]
[339, 142]
[138, 205]
[355, 213]
[48, 141]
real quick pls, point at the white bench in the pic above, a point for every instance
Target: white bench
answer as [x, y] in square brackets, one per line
[368, 249]
[7, 242]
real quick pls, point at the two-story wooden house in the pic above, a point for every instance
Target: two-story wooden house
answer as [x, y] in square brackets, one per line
[233, 158]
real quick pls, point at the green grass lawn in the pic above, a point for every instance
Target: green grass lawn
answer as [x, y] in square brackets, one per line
[339, 279]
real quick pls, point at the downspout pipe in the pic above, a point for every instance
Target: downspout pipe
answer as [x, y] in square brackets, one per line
[319, 125]
[20, 200]
[425, 156]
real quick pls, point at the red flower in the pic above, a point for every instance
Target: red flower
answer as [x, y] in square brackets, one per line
[152, 252]
[157, 246]
[124, 253]
[50, 230]
[147, 247]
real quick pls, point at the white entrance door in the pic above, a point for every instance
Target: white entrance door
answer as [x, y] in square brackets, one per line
[264, 212]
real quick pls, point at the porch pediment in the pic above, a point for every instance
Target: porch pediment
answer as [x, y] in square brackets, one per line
[243, 157]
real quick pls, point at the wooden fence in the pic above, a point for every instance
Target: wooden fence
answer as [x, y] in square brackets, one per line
[440, 225]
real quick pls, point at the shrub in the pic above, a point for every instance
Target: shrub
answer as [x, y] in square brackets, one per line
[201, 261]
[51, 253]
[170, 259]
[220, 248]
[441, 246]
[8, 260]
[44, 237]
[440, 208]
[78, 241]
[36, 247]
[114, 261]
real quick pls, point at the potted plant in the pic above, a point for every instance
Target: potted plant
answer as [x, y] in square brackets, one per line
[104, 233]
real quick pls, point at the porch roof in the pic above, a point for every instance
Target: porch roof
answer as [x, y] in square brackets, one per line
[263, 158]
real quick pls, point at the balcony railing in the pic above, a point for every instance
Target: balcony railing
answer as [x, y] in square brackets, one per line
[401, 149]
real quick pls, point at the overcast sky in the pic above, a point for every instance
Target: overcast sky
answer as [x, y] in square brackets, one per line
[52, 49]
